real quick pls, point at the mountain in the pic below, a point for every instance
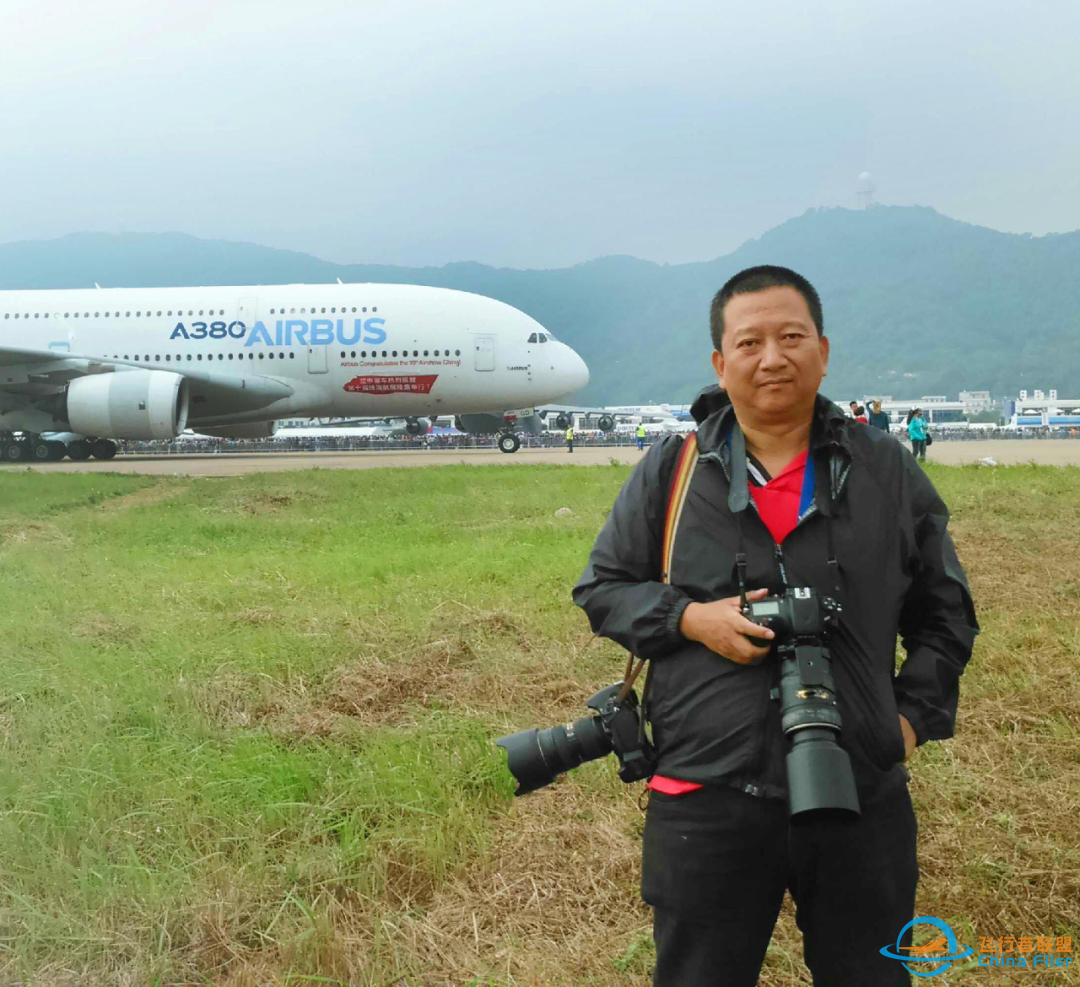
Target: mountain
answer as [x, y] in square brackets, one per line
[915, 303]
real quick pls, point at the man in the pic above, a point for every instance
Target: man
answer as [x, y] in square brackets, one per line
[570, 438]
[832, 505]
[853, 407]
[640, 436]
[878, 418]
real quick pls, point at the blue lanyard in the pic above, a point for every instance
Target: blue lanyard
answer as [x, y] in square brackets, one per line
[806, 498]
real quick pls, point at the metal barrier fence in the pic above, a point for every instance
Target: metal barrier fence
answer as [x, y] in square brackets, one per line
[436, 443]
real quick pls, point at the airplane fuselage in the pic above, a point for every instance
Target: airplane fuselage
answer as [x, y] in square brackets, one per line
[341, 350]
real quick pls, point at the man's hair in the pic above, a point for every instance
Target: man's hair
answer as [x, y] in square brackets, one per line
[760, 278]
[856, 403]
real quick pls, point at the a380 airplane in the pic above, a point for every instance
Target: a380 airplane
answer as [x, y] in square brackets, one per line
[146, 363]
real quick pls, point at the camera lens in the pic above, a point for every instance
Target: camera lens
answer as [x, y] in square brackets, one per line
[537, 757]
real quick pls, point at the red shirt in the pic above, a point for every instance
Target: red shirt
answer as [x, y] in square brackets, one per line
[778, 504]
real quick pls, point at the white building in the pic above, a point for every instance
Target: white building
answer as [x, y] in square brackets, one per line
[1044, 410]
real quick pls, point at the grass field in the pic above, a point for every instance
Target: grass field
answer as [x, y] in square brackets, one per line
[246, 726]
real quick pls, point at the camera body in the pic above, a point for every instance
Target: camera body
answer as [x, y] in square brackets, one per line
[536, 757]
[798, 613]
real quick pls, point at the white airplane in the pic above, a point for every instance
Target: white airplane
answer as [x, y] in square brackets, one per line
[146, 363]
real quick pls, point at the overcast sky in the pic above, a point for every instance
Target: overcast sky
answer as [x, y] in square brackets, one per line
[529, 134]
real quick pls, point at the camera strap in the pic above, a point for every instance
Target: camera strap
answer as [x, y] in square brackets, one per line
[677, 491]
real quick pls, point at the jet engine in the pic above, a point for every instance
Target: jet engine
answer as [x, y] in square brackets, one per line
[133, 404]
[417, 426]
[254, 430]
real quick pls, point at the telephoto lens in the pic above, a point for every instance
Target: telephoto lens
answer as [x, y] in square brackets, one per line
[537, 757]
[819, 775]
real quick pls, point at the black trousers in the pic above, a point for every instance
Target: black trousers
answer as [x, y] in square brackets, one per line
[715, 867]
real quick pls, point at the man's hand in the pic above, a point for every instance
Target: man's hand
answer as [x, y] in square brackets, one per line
[910, 740]
[722, 628]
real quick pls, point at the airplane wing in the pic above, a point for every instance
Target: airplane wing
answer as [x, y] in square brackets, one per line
[31, 372]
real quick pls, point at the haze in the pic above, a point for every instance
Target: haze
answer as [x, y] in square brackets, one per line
[529, 135]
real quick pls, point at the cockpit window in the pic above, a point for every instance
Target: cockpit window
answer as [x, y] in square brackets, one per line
[532, 338]
[543, 337]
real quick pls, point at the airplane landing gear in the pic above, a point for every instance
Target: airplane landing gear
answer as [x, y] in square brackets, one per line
[508, 442]
[103, 449]
[40, 450]
[79, 450]
[15, 452]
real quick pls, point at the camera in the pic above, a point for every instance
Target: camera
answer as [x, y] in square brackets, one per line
[819, 775]
[537, 757]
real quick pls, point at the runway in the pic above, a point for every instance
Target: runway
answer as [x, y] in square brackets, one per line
[1048, 452]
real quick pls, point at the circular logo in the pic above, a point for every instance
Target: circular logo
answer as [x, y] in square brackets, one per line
[942, 950]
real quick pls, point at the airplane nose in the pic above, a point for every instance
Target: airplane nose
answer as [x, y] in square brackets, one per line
[576, 372]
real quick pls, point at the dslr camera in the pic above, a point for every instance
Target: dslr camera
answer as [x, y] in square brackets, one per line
[819, 774]
[537, 757]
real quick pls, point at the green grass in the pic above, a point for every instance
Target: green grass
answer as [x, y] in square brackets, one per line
[245, 730]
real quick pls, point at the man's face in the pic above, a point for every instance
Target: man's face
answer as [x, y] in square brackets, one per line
[772, 358]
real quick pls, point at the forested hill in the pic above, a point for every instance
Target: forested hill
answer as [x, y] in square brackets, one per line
[915, 303]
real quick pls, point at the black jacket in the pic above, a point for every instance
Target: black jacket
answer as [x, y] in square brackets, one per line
[713, 720]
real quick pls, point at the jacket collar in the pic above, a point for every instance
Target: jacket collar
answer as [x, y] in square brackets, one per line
[829, 440]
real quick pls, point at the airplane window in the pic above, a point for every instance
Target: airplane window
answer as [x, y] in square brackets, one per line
[260, 356]
[543, 338]
[364, 309]
[167, 357]
[532, 338]
[352, 355]
[159, 312]
[425, 352]
[293, 311]
[394, 353]
[374, 308]
[322, 310]
[384, 352]
[200, 356]
[457, 352]
[221, 356]
[342, 354]
[189, 356]
[302, 311]
[292, 356]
